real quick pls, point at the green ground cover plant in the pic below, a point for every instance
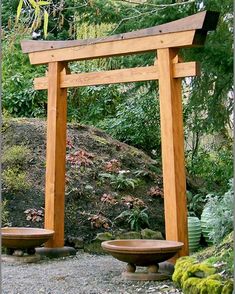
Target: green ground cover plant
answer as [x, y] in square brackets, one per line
[16, 156]
[15, 180]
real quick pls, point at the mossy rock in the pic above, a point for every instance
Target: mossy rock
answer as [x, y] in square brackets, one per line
[95, 245]
[150, 234]
[181, 267]
[198, 270]
[210, 285]
[128, 235]
[106, 236]
[190, 286]
[228, 287]
[199, 278]
[201, 270]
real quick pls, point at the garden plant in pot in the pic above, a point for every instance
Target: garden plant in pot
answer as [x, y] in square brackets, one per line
[194, 224]
[194, 233]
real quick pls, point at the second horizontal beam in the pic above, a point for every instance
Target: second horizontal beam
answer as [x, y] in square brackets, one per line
[127, 75]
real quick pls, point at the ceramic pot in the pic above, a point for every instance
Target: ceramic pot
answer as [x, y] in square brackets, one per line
[205, 219]
[194, 233]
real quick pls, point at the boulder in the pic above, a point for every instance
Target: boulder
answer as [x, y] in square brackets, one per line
[150, 234]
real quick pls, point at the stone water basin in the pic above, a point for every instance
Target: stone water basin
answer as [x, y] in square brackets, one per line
[142, 252]
[24, 238]
[138, 252]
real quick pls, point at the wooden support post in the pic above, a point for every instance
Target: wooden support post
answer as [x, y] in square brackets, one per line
[55, 155]
[174, 179]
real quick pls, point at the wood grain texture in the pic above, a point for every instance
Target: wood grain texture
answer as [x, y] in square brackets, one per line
[55, 155]
[120, 47]
[174, 179]
[205, 20]
[118, 76]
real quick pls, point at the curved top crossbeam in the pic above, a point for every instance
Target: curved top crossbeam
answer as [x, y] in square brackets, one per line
[205, 21]
[186, 32]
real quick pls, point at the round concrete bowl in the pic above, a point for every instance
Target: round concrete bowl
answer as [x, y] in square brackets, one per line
[24, 238]
[142, 252]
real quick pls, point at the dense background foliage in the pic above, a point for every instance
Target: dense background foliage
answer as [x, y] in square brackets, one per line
[131, 112]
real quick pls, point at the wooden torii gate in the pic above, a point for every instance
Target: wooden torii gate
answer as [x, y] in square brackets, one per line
[165, 40]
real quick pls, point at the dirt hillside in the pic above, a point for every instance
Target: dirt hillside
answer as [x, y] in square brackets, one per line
[104, 178]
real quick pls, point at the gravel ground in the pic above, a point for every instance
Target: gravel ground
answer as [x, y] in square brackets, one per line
[83, 273]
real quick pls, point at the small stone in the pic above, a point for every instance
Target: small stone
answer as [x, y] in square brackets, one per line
[164, 287]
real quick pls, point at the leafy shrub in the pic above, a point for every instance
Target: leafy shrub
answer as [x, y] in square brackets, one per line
[18, 96]
[220, 211]
[214, 167]
[195, 204]
[136, 122]
[16, 156]
[4, 213]
[137, 218]
[92, 104]
[15, 180]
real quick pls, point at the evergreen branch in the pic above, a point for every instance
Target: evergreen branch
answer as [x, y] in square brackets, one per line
[158, 5]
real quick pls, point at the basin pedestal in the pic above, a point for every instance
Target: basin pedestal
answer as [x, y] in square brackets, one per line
[20, 256]
[152, 273]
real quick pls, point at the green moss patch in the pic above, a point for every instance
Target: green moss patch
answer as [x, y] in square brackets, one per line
[199, 278]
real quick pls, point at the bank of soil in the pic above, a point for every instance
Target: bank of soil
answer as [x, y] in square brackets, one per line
[104, 177]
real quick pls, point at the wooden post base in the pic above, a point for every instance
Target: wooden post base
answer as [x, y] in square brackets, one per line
[55, 252]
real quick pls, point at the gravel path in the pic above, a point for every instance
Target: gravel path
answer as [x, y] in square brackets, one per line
[80, 274]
